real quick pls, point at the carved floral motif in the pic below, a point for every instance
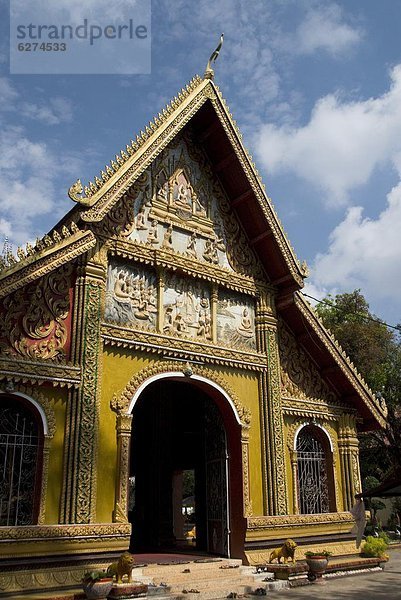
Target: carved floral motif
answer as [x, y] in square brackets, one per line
[299, 376]
[33, 321]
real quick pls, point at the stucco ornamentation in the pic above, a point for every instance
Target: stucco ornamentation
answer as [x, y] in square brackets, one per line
[33, 321]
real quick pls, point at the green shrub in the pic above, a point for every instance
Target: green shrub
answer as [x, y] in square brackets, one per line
[375, 547]
[383, 536]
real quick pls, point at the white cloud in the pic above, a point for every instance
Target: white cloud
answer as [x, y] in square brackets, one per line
[364, 253]
[341, 146]
[7, 93]
[51, 111]
[57, 110]
[29, 184]
[324, 28]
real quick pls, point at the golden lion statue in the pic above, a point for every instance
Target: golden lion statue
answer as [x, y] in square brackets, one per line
[122, 567]
[286, 551]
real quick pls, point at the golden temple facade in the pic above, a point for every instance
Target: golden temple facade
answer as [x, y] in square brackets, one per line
[159, 329]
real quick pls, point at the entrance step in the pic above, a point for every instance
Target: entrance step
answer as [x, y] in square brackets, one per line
[205, 579]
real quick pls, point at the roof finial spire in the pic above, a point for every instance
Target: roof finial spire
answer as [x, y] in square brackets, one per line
[209, 73]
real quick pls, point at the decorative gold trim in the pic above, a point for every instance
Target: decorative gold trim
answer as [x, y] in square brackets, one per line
[79, 533]
[78, 503]
[123, 428]
[376, 407]
[170, 259]
[309, 409]
[249, 168]
[123, 159]
[276, 424]
[120, 405]
[304, 521]
[46, 405]
[37, 372]
[145, 153]
[348, 445]
[50, 258]
[145, 341]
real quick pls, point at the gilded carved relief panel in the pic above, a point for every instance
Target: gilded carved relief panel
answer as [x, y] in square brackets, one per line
[186, 308]
[235, 320]
[178, 205]
[300, 378]
[34, 320]
[131, 296]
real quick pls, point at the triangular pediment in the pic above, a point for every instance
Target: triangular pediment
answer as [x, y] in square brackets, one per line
[201, 108]
[178, 205]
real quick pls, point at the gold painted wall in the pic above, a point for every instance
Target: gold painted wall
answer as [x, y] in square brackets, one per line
[57, 399]
[119, 366]
[246, 386]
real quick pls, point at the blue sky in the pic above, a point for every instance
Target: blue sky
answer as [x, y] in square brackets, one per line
[315, 87]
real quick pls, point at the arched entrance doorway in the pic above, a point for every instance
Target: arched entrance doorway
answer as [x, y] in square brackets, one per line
[185, 443]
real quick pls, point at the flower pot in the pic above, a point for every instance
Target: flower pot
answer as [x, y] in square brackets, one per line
[98, 590]
[317, 566]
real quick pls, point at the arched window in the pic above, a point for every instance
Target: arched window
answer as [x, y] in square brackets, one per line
[21, 444]
[315, 471]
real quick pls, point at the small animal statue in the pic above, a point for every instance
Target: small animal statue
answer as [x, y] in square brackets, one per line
[122, 567]
[286, 551]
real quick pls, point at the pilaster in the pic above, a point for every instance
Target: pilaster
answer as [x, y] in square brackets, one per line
[275, 488]
[123, 428]
[348, 447]
[80, 453]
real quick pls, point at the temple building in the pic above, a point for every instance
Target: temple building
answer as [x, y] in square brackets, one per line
[158, 336]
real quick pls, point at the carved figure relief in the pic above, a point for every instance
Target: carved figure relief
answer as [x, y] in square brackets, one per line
[236, 321]
[179, 205]
[299, 376]
[131, 296]
[33, 320]
[186, 309]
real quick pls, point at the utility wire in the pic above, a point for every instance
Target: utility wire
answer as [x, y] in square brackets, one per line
[367, 317]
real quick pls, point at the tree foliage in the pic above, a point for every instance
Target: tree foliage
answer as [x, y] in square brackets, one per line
[376, 352]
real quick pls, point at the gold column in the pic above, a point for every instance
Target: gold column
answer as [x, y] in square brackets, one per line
[245, 471]
[123, 428]
[45, 474]
[294, 468]
[275, 488]
[78, 504]
[348, 446]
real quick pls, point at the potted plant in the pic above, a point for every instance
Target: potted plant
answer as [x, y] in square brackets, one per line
[97, 584]
[317, 562]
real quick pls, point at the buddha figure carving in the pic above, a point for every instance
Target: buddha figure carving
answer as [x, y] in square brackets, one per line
[245, 327]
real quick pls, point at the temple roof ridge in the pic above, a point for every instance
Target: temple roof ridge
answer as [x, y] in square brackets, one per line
[84, 194]
[340, 355]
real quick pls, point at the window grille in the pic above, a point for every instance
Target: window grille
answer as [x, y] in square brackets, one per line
[19, 449]
[312, 474]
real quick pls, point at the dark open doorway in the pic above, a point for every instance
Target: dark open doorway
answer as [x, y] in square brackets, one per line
[179, 471]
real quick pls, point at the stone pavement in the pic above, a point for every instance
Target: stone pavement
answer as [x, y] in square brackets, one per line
[385, 585]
